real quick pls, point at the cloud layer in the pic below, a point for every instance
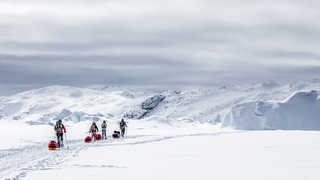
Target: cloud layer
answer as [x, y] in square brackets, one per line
[176, 42]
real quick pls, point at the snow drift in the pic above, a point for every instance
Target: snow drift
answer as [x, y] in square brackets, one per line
[301, 111]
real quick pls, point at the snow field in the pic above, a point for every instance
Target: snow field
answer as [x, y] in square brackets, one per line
[191, 134]
[266, 155]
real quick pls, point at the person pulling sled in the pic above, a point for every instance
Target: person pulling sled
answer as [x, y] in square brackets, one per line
[93, 130]
[104, 130]
[60, 129]
[123, 126]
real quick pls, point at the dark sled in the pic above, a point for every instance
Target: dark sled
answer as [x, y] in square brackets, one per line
[116, 135]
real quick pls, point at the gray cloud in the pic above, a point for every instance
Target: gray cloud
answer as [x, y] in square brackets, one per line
[164, 43]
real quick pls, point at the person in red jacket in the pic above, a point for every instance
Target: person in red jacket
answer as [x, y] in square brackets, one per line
[60, 129]
[93, 130]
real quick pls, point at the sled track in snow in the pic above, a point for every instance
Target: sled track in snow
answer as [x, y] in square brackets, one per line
[154, 139]
[16, 163]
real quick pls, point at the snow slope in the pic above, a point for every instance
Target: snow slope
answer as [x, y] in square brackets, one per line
[299, 111]
[238, 106]
[172, 133]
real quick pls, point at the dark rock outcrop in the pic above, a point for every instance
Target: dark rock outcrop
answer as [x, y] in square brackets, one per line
[146, 107]
[152, 102]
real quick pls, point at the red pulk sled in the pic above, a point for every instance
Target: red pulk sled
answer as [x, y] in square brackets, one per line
[53, 145]
[98, 137]
[88, 139]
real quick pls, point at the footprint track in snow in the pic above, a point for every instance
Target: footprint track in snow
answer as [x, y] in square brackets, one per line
[33, 158]
[38, 157]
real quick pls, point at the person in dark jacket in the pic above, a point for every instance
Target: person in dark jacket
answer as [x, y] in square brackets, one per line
[104, 129]
[123, 126]
[60, 129]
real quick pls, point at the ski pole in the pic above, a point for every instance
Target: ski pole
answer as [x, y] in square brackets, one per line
[65, 134]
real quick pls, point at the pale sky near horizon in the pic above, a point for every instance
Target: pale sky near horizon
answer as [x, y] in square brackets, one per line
[158, 43]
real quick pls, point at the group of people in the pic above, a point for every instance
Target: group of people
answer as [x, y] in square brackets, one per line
[60, 129]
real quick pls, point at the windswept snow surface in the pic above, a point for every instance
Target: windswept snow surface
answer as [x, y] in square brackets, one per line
[226, 156]
[190, 134]
[299, 111]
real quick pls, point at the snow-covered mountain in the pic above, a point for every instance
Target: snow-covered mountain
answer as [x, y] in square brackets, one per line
[254, 106]
[154, 115]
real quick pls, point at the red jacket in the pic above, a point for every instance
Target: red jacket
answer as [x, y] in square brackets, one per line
[60, 131]
[94, 129]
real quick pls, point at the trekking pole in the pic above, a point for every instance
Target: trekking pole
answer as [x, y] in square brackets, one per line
[126, 129]
[54, 136]
[65, 134]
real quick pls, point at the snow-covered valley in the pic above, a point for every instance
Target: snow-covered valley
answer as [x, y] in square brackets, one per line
[232, 131]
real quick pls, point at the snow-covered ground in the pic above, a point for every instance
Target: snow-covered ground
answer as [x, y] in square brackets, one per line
[177, 134]
[246, 155]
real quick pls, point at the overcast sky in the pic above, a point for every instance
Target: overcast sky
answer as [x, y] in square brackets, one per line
[158, 43]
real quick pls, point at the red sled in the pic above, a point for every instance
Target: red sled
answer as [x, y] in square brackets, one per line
[53, 145]
[88, 139]
[98, 137]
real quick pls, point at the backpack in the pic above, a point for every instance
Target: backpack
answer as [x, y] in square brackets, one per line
[123, 124]
[59, 127]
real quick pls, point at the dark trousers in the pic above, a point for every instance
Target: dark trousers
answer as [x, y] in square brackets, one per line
[104, 134]
[60, 139]
[123, 131]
